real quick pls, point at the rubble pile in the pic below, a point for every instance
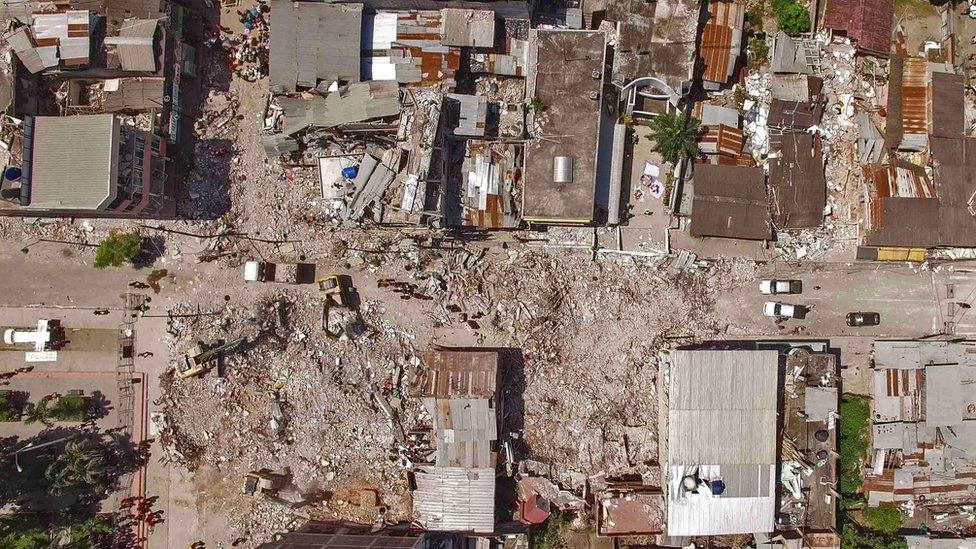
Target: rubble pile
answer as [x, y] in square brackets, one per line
[291, 398]
[589, 396]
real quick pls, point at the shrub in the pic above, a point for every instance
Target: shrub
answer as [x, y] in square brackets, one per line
[551, 535]
[117, 248]
[855, 418]
[537, 105]
[794, 19]
[755, 16]
[758, 53]
[884, 520]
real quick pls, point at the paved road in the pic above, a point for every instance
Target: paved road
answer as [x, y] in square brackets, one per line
[911, 301]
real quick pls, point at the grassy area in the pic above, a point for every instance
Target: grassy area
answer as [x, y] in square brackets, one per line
[855, 420]
[861, 527]
[71, 408]
[914, 8]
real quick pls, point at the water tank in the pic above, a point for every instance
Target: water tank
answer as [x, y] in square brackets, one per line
[12, 173]
[689, 482]
[717, 486]
[350, 172]
[562, 169]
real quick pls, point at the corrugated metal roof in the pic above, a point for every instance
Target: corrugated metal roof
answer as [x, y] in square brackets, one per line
[722, 410]
[948, 105]
[721, 41]
[794, 115]
[313, 41]
[794, 55]
[730, 202]
[22, 44]
[796, 87]
[472, 113]
[722, 139]
[453, 373]
[926, 542]
[464, 429]
[135, 45]
[135, 94]
[707, 389]
[868, 22]
[455, 499]
[468, 28]
[74, 162]
[630, 513]
[356, 102]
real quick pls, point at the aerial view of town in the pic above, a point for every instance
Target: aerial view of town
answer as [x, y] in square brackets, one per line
[488, 274]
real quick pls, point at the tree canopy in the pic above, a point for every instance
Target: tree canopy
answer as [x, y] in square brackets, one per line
[117, 248]
[673, 138]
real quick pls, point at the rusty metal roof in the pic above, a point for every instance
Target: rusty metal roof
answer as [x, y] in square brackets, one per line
[722, 139]
[457, 373]
[867, 22]
[721, 41]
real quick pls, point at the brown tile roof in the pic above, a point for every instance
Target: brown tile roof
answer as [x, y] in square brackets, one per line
[721, 40]
[730, 202]
[722, 139]
[797, 185]
[868, 22]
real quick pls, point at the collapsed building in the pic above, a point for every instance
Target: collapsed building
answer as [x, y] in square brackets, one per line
[923, 437]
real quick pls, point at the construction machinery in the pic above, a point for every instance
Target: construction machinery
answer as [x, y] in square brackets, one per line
[197, 359]
[334, 291]
[263, 482]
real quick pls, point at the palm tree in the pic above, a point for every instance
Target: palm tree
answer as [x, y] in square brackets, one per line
[673, 138]
[82, 464]
[39, 412]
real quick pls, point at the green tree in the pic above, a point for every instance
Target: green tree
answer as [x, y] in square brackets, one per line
[81, 465]
[794, 19]
[758, 53]
[673, 138]
[38, 413]
[8, 410]
[117, 248]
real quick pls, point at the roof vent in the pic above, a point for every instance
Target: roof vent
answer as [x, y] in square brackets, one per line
[594, 95]
[595, 74]
[562, 169]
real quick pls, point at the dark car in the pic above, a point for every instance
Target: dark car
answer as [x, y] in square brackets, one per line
[863, 319]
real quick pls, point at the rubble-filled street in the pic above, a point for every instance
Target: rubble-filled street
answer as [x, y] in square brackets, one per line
[505, 275]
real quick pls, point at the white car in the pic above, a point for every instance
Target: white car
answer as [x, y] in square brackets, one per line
[777, 309]
[773, 287]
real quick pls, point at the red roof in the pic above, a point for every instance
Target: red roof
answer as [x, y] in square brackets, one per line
[868, 22]
[532, 513]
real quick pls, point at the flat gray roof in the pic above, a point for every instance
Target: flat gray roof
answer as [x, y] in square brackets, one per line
[74, 162]
[562, 79]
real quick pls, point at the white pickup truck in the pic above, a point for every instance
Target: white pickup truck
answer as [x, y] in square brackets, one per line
[781, 310]
[773, 287]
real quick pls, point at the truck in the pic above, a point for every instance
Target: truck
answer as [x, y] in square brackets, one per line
[284, 273]
[773, 287]
[781, 310]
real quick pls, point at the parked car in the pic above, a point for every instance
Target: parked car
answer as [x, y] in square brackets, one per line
[782, 310]
[773, 287]
[863, 319]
